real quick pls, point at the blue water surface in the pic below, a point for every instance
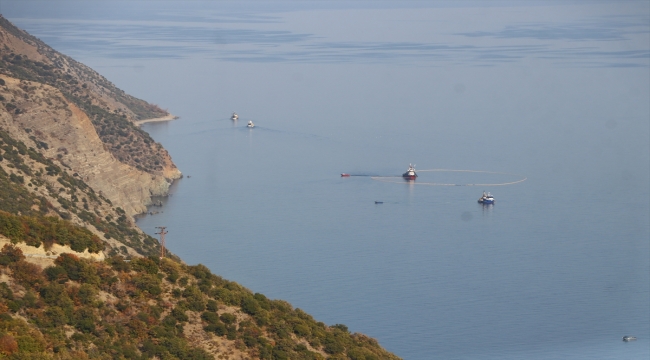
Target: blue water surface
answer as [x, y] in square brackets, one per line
[554, 92]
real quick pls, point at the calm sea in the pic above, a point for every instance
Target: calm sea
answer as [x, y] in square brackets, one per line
[554, 92]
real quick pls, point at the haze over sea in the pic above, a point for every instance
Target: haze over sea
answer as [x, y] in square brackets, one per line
[557, 92]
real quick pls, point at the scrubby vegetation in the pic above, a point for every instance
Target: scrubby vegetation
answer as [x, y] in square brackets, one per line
[37, 231]
[133, 305]
[150, 308]
[137, 308]
[61, 195]
[80, 85]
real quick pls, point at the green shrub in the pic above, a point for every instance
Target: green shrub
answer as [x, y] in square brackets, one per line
[212, 305]
[302, 330]
[228, 318]
[78, 269]
[333, 345]
[149, 283]
[179, 314]
[27, 274]
[56, 316]
[147, 265]
[86, 293]
[210, 317]
[5, 291]
[56, 274]
[118, 263]
[30, 344]
[250, 306]
[10, 254]
[219, 329]
[11, 227]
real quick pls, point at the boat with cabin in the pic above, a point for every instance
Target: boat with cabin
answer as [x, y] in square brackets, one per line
[234, 116]
[410, 173]
[250, 124]
[486, 199]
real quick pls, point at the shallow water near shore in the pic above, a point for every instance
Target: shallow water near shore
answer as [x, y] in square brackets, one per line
[558, 268]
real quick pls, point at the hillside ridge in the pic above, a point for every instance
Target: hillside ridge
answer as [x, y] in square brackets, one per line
[78, 278]
[63, 96]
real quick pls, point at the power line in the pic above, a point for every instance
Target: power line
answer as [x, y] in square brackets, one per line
[162, 240]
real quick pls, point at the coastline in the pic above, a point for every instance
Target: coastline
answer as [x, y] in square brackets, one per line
[160, 119]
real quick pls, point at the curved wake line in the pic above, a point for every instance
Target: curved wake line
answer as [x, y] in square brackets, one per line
[393, 179]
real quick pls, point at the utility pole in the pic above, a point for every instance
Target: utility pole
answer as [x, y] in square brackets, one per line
[162, 240]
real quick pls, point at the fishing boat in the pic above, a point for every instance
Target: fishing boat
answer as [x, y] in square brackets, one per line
[345, 175]
[234, 116]
[250, 124]
[486, 199]
[410, 173]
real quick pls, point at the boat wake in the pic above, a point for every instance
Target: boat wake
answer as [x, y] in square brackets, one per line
[400, 180]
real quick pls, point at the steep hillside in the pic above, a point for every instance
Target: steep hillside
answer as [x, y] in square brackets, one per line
[78, 278]
[153, 308]
[39, 115]
[47, 76]
[34, 186]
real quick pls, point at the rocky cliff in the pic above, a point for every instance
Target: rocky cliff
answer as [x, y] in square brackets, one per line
[73, 115]
[63, 132]
[73, 167]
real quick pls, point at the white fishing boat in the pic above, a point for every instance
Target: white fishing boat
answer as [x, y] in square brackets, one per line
[234, 116]
[250, 124]
[486, 198]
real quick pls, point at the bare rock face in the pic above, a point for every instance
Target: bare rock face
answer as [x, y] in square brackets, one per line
[112, 112]
[39, 115]
[73, 115]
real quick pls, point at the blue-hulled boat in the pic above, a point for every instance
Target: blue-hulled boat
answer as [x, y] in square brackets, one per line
[486, 199]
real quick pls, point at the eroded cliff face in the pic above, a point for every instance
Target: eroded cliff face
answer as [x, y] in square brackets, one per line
[41, 116]
[111, 111]
[73, 115]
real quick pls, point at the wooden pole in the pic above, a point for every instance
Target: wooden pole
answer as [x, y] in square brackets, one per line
[162, 240]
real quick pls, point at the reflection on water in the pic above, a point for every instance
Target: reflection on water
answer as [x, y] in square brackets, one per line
[486, 209]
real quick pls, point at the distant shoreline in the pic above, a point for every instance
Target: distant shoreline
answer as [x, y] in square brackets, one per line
[160, 119]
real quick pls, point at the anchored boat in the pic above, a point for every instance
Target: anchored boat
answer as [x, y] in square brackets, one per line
[410, 173]
[234, 116]
[486, 198]
[250, 124]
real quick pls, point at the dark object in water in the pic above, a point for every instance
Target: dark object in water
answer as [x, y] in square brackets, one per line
[629, 338]
[379, 202]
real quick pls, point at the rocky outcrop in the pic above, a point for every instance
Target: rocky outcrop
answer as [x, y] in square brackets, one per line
[73, 115]
[40, 115]
[51, 64]
[111, 111]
